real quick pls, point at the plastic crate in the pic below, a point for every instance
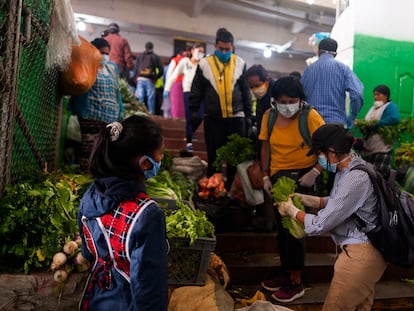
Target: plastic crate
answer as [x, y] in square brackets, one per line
[187, 264]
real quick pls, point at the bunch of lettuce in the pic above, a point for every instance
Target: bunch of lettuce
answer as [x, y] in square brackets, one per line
[188, 223]
[283, 187]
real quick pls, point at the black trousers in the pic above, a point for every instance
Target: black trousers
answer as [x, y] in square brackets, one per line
[216, 132]
[291, 250]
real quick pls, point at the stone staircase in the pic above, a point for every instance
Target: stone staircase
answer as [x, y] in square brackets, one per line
[252, 257]
[175, 138]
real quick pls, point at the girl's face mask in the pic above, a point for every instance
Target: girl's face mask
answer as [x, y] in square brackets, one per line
[330, 167]
[260, 91]
[288, 110]
[198, 55]
[155, 167]
[323, 162]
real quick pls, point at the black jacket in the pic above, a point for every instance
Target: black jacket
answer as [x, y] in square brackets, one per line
[203, 89]
[148, 65]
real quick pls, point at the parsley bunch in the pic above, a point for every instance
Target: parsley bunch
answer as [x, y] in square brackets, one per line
[237, 150]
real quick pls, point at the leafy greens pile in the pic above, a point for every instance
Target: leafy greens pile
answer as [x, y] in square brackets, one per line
[170, 185]
[237, 150]
[131, 105]
[283, 187]
[186, 223]
[37, 216]
[389, 133]
[404, 154]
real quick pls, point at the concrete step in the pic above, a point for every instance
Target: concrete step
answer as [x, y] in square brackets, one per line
[258, 242]
[175, 137]
[169, 122]
[251, 268]
[389, 295]
[180, 143]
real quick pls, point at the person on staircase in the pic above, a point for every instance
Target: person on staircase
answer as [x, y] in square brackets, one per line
[175, 92]
[100, 105]
[260, 84]
[283, 153]
[187, 67]
[220, 83]
[360, 265]
[120, 52]
[148, 68]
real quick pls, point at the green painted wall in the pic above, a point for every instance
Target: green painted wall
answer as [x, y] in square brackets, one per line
[390, 62]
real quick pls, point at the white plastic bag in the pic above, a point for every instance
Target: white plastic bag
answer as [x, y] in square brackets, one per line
[253, 196]
[73, 131]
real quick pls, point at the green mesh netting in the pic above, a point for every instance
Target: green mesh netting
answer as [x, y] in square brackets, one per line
[35, 131]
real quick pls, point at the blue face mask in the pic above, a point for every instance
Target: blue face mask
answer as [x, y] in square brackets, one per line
[223, 57]
[155, 168]
[330, 167]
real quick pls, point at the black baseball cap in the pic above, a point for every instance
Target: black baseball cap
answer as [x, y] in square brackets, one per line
[330, 135]
[328, 45]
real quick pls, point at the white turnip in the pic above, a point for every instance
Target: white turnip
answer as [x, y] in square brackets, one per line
[79, 259]
[70, 247]
[78, 240]
[59, 259]
[60, 276]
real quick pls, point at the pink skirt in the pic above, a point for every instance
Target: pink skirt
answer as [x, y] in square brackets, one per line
[177, 100]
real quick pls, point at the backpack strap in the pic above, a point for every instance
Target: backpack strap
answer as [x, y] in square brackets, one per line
[303, 124]
[270, 123]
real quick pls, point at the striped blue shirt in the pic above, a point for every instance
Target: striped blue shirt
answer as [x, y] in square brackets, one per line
[325, 83]
[352, 192]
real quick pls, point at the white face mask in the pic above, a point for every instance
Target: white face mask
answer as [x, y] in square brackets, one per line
[288, 110]
[260, 91]
[104, 59]
[198, 55]
[378, 104]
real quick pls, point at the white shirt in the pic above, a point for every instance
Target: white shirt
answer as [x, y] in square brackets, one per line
[185, 67]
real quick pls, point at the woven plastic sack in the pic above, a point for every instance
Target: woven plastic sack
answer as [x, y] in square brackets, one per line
[82, 70]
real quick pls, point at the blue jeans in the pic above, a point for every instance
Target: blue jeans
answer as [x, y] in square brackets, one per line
[146, 89]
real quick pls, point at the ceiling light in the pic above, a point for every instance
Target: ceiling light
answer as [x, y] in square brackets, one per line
[310, 2]
[267, 53]
[81, 25]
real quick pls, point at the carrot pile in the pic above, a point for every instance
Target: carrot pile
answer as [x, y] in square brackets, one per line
[212, 187]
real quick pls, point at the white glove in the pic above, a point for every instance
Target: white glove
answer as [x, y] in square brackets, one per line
[267, 185]
[308, 200]
[309, 178]
[287, 208]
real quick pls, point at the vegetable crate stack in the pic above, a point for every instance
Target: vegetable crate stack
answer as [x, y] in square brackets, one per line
[191, 240]
[188, 263]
